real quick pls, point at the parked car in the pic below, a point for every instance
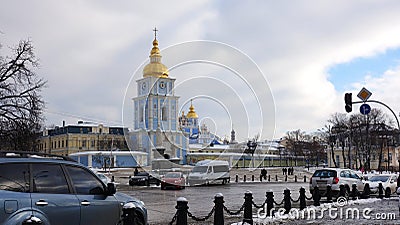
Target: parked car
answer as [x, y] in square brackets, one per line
[209, 171]
[389, 182]
[335, 177]
[144, 179]
[38, 188]
[174, 180]
[104, 178]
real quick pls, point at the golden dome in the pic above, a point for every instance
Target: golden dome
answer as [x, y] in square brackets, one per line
[155, 68]
[192, 113]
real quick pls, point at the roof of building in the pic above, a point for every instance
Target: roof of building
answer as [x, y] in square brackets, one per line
[192, 114]
[155, 68]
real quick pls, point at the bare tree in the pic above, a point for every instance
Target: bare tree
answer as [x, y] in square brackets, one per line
[21, 105]
[339, 123]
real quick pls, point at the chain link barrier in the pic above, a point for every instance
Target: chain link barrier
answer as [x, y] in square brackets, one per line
[233, 213]
[259, 206]
[204, 218]
[295, 201]
[279, 204]
[309, 198]
[173, 219]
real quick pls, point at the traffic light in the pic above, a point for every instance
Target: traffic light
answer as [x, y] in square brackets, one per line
[348, 102]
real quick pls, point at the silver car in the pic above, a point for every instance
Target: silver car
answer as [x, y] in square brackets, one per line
[52, 190]
[335, 177]
[389, 182]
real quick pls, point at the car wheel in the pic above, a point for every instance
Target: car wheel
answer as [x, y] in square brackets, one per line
[147, 182]
[162, 187]
[223, 181]
[138, 220]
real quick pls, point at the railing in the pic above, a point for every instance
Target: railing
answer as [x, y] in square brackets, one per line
[276, 178]
[182, 210]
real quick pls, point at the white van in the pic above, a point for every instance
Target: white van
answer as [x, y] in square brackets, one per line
[209, 172]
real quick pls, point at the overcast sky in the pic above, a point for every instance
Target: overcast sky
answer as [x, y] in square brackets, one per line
[309, 53]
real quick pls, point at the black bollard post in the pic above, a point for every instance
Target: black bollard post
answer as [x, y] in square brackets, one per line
[237, 178]
[354, 191]
[303, 203]
[295, 178]
[316, 196]
[329, 193]
[387, 193]
[287, 202]
[244, 178]
[380, 190]
[305, 178]
[261, 178]
[269, 178]
[270, 202]
[219, 209]
[276, 177]
[367, 191]
[252, 177]
[181, 211]
[342, 191]
[112, 179]
[286, 178]
[248, 211]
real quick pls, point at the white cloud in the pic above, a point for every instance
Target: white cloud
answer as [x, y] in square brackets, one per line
[89, 49]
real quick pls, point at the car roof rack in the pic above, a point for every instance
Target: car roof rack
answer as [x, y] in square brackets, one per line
[30, 154]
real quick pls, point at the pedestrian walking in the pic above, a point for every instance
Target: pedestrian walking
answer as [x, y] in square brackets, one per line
[264, 173]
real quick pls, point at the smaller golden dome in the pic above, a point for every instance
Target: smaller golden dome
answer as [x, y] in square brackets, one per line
[192, 113]
[155, 50]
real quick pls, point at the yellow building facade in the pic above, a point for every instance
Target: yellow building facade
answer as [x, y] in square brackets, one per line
[81, 137]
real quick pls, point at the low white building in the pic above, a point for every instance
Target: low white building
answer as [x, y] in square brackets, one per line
[105, 159]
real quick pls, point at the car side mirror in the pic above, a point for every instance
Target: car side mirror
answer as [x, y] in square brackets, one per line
[111, 190]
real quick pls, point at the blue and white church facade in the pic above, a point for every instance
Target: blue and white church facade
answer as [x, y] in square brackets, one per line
[155, 110]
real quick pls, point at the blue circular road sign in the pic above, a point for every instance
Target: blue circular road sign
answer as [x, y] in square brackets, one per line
[365, 109]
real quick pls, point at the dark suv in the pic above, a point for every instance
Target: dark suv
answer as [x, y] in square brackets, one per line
[46, 189]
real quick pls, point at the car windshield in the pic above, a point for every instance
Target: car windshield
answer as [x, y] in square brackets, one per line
[325, 173]
[200, 169]
[379, 178]
[172, 175]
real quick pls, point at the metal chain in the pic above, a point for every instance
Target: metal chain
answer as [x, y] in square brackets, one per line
[173, 219]
[295, 201]
[234, 213]
[310, 198]
[259, 206]
[279, 203]
[204, 218]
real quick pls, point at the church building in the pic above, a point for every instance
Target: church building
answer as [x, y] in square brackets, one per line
[155, 109]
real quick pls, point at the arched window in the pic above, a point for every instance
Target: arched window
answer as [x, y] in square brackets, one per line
[164, 113]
